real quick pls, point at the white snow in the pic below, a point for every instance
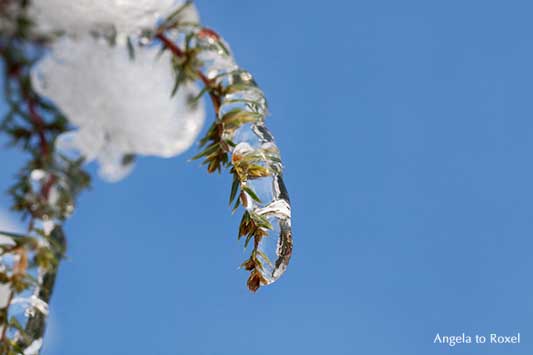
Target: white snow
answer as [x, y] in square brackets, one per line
[83, 16]
[121, 106]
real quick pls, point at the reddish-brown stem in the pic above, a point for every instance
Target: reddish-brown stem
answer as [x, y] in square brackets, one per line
[39, 126]
[36, 119]
[170, 45]
[45, 190]
[178, 52]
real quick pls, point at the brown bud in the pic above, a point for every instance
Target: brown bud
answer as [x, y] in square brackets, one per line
[254, 281]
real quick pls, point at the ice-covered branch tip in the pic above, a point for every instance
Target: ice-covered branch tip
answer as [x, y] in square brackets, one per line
[239, 141]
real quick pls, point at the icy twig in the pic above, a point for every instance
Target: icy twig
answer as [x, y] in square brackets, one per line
[239, 141]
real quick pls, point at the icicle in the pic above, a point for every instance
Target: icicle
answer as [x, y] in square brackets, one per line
[239, 139]
[257, 162]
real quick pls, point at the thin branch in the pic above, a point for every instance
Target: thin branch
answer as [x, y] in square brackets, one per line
[178, 52]
[268, 213]
[39, 126]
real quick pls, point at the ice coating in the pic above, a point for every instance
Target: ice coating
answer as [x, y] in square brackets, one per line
[254, 158]
[84, 16]
[28, 263]
[274, 247]
[16, 260]
[121, 106]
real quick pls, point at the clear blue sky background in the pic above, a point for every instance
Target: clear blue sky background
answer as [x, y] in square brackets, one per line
[407, 132]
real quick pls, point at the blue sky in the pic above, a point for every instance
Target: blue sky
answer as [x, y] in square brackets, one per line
[407, 134]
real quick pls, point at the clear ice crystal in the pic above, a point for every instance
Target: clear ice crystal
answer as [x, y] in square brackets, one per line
[122, 16]
[216, 64]
[251, 99]
[255, 146]
[264, 189]
[275, 249]
[254, 152]
[246, 133]
[121, 106]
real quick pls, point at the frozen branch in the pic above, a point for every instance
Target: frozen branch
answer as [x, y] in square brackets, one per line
[239, 141]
